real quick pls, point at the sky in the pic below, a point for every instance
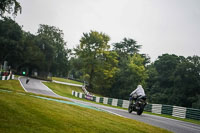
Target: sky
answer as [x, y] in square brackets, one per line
[160, 26]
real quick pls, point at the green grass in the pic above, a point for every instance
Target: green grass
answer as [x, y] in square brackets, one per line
[66, 90]
[11, 85]
[63, 90]
[23, 113]
[66, 80]
[72, 81]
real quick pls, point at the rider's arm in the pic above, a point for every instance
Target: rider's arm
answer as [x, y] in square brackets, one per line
[133, 92]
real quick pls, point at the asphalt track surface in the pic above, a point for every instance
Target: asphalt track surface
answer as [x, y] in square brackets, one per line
[37, 87]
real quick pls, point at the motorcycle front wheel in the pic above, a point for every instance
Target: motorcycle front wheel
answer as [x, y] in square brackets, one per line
[139, 111]
[130, 109]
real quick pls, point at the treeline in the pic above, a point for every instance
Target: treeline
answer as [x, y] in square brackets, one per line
[43, 53]
[111, 70]
[115, 72]
[174, 80]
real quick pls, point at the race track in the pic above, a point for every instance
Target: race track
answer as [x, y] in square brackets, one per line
[36, 86]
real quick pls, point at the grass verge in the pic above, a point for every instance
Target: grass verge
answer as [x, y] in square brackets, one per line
[23, 113]
[66, 90]
[11, 85]
[63, 90]
[66, 80]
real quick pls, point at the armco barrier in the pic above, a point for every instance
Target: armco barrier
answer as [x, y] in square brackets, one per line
[193, 113]
[167, 109]
[104, 100]
[179, 112]
[156, 108]
[176, 111]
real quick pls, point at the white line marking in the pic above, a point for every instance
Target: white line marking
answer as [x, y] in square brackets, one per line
[22, 84]
[113, 113]
[67, 83]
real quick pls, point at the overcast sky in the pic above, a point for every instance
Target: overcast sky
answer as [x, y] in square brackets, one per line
[160, 26]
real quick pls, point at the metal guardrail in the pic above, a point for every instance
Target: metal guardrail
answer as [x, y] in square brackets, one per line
[176, 111]
[104, 100]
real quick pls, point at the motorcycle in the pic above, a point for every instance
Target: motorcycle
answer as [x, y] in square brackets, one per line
[138, 106]
[27, 80]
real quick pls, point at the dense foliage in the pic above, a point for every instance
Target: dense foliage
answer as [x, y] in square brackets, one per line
[10, 7]
[171, 79]
[43, 53]
[110, 72]
[175, 80]
[98, 64]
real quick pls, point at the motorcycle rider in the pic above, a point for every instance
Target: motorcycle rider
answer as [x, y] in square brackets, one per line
[27, 80]
[136, 94]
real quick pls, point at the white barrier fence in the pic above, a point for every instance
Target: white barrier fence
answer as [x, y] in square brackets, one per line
[7, 77]
[176, 111]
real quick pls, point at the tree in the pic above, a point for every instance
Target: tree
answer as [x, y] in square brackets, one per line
[106, 72]
[54, 47]
[197, 103]
[174, 80]
[10, 40]
[128, 77]
[131, 68]
[187, 81]
[33, 57]
[162, 78]
[165, 66]
[91, 49]
[19, 48]
[43, 53]
[152, 82]
[75, 68]
[127, 47]
[9, 6]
